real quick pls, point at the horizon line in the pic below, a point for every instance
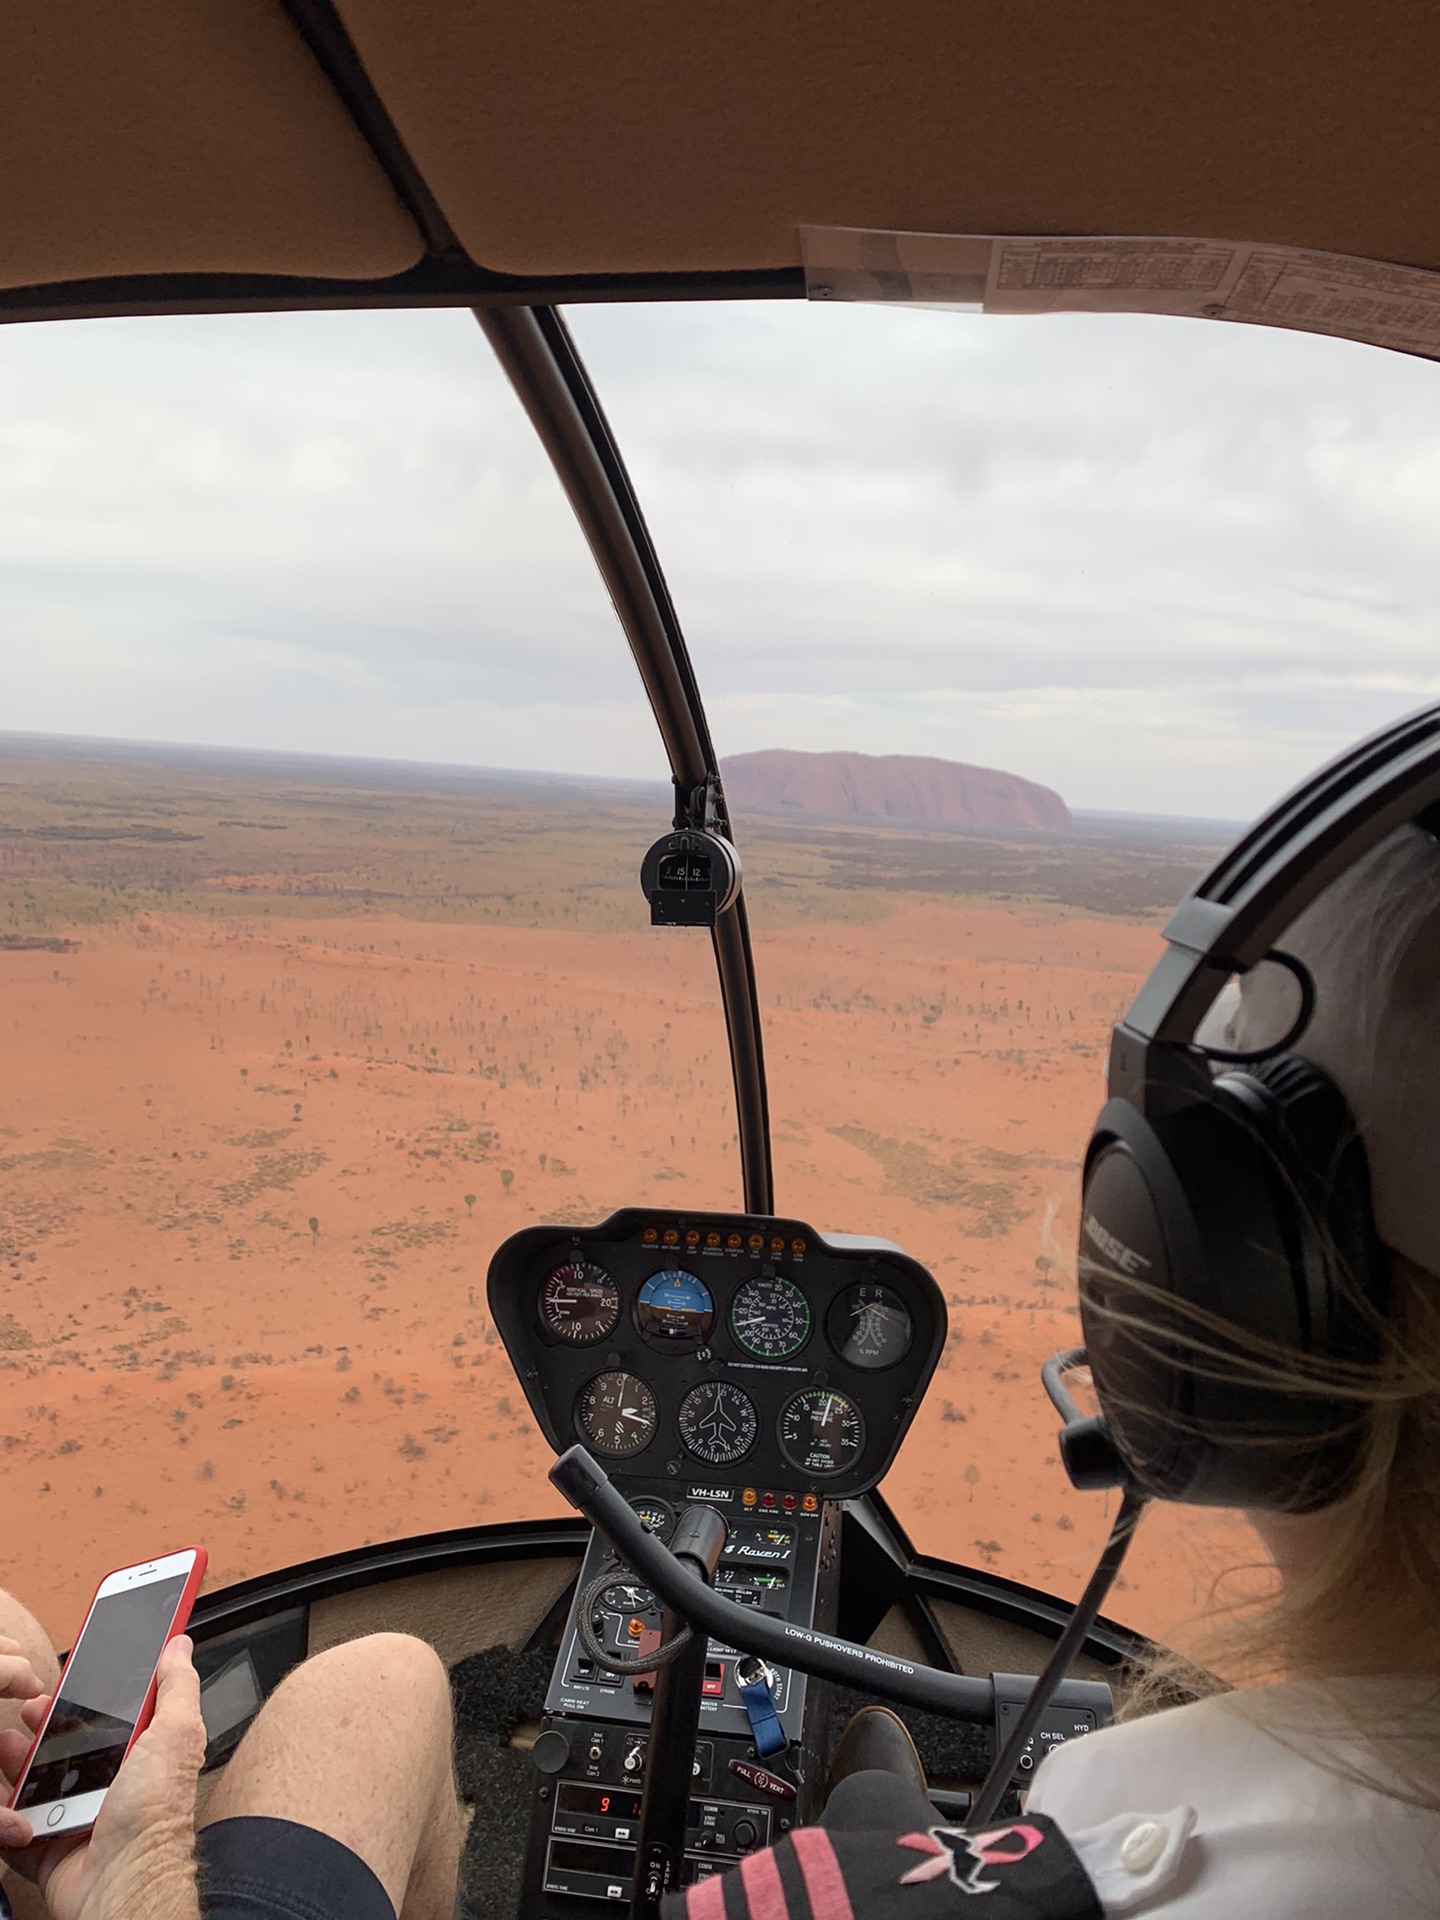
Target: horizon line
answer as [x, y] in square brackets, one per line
[311, 756]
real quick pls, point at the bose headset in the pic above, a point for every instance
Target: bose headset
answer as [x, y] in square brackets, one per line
[1228, 1215]
[1239, 1200]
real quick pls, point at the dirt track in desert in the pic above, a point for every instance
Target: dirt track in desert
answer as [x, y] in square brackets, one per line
[253, 1164]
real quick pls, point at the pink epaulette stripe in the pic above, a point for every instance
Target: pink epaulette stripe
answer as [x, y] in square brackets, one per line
[761, 1879]
[706, 1899]
[820, 1870]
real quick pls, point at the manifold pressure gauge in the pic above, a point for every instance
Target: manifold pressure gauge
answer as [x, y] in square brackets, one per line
[821, 1431]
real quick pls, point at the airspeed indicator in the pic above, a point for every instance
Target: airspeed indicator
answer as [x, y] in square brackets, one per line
[770, 1317]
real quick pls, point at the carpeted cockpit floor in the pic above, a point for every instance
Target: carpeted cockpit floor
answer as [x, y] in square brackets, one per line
[497, 1691]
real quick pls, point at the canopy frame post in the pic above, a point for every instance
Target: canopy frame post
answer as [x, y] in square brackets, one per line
[540, 359]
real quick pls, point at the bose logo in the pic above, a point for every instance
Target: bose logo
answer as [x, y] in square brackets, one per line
[1125, 1258]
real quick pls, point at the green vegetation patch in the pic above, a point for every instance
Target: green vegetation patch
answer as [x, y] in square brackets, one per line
[913, 1172]
[272, 1172]
[422, 1232]
[13, 1337]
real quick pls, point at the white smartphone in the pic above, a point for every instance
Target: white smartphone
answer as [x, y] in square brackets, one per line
[107, 1692]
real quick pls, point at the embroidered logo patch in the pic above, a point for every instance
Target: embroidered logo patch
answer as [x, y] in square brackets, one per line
[966, 1856]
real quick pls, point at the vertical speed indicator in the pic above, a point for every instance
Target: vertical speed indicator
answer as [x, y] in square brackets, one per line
[580, 1303]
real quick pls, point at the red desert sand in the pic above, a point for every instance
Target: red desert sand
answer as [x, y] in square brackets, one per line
[254, 1171]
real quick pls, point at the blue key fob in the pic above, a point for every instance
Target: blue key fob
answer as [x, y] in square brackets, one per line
[756, 1682]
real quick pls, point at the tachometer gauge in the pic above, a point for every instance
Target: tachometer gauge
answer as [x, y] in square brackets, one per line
[617, 1414]
[821, 1432]
[870, 1327]
[674, 1305]
[580, 1304]
[770, 1317]
[718, 1422]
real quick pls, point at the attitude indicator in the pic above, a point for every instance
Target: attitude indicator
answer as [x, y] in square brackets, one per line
[673, 1307]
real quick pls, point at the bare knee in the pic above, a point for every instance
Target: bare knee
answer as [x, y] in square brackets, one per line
[19, 1624]
[381, 1665]
[387, 1686]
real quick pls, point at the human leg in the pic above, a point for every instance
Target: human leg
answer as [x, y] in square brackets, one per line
[869, 1802]
[17, 1623]
[356, 1743]
[20, 1627]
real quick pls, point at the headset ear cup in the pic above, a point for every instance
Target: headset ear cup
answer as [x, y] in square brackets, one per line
[1302, 1119]
[1215, 1241]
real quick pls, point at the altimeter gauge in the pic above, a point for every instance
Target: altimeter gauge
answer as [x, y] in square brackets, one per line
[770, 1317]
[617, 1414]
[821, 1432]
[580, 1304]
[718, 1422]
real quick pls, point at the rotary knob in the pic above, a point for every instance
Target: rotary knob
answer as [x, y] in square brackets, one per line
[551, 1751]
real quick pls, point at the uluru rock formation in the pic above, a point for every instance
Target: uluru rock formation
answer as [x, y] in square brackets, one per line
[889, 786]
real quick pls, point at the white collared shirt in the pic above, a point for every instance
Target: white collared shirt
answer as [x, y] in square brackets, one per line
[1224, 1810]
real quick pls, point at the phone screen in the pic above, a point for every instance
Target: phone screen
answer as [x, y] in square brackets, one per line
[102, 1691]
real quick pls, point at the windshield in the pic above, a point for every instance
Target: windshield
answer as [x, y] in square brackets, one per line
[1147, 573]
[321, 825]
[326, 965]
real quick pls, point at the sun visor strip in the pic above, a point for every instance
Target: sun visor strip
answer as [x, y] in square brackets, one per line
[1302, 288]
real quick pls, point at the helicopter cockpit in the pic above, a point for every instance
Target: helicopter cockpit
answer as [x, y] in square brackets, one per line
[752, 1374]
[492, 1166]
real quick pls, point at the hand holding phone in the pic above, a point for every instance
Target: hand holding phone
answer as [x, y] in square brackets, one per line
[138, 1857]
[106, 1693]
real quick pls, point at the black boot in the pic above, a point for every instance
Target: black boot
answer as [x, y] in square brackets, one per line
[876, 1738]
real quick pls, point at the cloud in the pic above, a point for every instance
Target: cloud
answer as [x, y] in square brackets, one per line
[1162, 565]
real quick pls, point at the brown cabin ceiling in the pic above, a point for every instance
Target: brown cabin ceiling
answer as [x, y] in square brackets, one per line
[163, 141]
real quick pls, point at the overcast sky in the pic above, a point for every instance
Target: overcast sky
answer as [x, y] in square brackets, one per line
[1162, 565]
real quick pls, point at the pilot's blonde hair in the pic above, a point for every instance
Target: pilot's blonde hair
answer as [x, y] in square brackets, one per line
[1370, 1605]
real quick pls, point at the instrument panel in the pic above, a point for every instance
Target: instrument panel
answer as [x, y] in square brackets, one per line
[742, 1348]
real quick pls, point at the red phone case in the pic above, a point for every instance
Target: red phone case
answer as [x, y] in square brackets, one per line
[177, 1627]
